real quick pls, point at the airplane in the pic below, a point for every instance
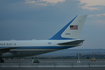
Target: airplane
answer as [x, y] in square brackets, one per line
[66, 38]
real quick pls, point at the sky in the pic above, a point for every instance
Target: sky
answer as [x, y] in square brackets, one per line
[41, 19]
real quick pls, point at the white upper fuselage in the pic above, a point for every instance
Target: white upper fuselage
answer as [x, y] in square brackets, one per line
[32, 43]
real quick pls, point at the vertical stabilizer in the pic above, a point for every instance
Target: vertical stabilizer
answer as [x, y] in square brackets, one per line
[72, 30]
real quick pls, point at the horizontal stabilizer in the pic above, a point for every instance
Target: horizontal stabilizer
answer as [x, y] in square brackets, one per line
[72, 42]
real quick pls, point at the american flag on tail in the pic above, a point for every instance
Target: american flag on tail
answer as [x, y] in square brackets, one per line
[73, 27]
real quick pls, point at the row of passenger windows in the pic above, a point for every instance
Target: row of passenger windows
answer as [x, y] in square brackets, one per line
[7, 43]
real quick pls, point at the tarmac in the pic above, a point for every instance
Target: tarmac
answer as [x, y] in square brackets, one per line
[59, 64]
[51, 68]
[54, 61]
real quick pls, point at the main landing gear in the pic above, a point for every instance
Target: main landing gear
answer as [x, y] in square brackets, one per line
[1, 60]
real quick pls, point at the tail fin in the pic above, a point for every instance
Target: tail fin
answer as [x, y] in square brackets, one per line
[71, 30]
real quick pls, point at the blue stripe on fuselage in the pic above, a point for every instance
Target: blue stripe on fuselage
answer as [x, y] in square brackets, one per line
[40, 47]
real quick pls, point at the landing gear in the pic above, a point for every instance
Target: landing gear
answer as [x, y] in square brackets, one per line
[1, 60]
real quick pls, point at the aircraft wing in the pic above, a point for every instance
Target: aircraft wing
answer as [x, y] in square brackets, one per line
[76, 42]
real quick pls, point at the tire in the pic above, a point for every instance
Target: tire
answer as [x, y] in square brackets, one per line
[2, 61]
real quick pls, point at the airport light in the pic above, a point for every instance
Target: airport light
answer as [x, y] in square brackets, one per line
[78, 55]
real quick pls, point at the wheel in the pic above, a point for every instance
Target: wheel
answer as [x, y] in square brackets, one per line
[1, 61]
